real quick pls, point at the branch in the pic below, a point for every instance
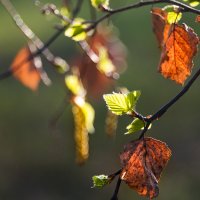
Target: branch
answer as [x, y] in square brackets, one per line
[164, 109]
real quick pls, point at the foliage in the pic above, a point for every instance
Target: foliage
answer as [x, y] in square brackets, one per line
[96, 69]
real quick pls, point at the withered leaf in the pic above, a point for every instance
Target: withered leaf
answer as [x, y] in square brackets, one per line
[24, 69]
[178, 51]
[159, 20]
[178, 44]
[143, 162]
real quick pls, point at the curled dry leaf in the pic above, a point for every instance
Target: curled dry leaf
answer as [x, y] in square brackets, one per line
[143, 162]
[178, 44]
[24, 68]
[93, 79]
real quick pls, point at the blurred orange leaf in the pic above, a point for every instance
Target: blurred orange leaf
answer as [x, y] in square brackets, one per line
[24, 69]
[178, 44]
[143, 162]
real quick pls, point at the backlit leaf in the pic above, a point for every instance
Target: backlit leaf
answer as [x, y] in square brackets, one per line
[178, 44]
[177, 55]
[143, 162]
[77, 30]
[136, 125]
[173, 13]
[105, 64]
[24, 69]
[100, 181]
[121, 103]
[99, 4]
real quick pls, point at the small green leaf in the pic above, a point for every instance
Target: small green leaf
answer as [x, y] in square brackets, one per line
[105, 64]
[121, 103]
[173, 14]
[193, 3]
[98, 4]
[136, 125]
[77, 30]
[100, 181]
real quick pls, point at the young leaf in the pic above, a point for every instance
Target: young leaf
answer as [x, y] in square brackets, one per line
[24, 69]
[143, 162]
[100, 181]
[100, 4]
[121, 103]
[136, 125]
[105, 64]
[173, 14]
[76, 30]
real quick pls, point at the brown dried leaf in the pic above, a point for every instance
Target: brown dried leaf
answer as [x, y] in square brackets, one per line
[159, 20]
[143, 162]
[197, 18]
[178, 44]
[177, 55]
[25, 70]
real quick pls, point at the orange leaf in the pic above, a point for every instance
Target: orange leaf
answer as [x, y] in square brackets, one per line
[178, 44]
[177, 54]
[143, 162]
[198, 18]
[25, 70]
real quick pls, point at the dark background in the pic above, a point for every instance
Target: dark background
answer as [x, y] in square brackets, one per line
[38, 164]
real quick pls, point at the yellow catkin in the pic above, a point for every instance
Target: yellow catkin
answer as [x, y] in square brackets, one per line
[111, 124]
[80, 135]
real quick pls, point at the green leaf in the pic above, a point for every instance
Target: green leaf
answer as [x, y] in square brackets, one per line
[121, 103]
[173, 14]
[100, 181]
[193, 3]
[136, 125]
[105, 64]
[98, 4]
[77, 30]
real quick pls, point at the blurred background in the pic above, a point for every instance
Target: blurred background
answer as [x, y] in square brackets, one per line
[37, 163]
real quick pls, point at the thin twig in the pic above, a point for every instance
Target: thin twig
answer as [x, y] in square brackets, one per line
[162, 110]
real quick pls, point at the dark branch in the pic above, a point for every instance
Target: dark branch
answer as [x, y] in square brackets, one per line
[161, 111]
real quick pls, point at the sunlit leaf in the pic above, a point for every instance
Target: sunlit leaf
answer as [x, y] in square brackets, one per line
[143, 162]
[24, 69]
[179, 46]
[100, 4]
[173, 14]
[100, 181]
[121, 103]
[105, 64]
[136, 125]
[77, 30]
